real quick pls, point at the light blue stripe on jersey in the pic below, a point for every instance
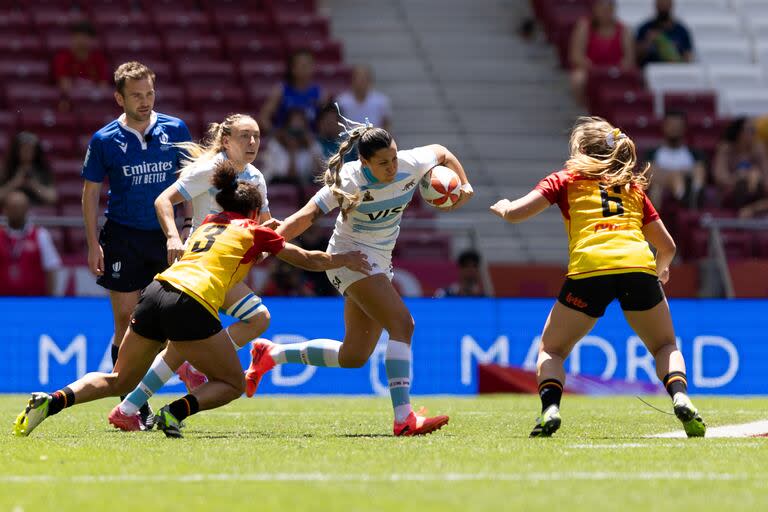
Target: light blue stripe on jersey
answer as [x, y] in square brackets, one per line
[378, 206]
[364, 226]
[183, 191]
[321, 206]
[401, 176]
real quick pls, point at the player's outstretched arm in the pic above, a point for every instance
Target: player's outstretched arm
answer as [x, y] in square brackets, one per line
[657, 235]
[165, 215]
[521, 209]
[317, 261]
[300, 221]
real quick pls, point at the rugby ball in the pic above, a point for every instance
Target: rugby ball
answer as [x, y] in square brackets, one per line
[440, 187]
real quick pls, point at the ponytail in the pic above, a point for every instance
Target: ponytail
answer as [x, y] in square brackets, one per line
[234, 196]
[212, 143]
[332, 178]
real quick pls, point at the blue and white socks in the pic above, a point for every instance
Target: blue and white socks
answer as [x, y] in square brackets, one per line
[398, 365]
[318, 352]
[159, 373]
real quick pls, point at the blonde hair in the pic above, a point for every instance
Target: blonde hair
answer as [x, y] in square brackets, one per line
[600, 151]
[134, 71]
[212, 145]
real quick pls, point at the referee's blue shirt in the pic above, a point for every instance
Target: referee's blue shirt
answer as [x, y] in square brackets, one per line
[139, 166]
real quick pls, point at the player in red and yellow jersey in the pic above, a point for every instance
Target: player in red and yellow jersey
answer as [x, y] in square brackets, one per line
[181, 306]
[610, 223]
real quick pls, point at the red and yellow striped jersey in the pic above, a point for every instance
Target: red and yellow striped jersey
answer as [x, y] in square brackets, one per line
[604, 224]
[218, 255]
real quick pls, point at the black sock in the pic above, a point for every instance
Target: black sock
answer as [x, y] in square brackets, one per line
[550, 391]
[144, 410]
[61, 399]
[184, 407]
[115, 350]
[676, 382]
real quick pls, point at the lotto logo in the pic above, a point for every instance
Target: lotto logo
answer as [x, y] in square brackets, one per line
[336, 282]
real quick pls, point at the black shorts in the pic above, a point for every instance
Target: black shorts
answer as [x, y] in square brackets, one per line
[132, 257]
[166, 313]
[636, 291]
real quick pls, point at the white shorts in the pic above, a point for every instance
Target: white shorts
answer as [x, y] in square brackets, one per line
[341, 278]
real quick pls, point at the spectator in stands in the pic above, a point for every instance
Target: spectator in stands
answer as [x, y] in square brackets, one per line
[298, 91]
[678, 171]
[26, 169]
[599, 41]
[28, 258]
[469, 284]
[287, 281]
[741, 166]
[293, 155]
[362, 101]
[82, 64]
[663, 38]
[328, 131]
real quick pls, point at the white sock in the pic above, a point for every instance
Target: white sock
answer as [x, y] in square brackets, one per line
[318, 352]
[159, 373]
[397, 362]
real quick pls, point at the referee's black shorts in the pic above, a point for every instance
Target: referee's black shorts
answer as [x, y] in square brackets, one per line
[636, 291]
[132, 257]
[166, 313]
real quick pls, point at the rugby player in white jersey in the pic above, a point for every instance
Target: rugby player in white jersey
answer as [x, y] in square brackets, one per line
[237, 139]
[372, 194]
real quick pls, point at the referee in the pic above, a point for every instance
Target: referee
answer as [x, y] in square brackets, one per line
[136, 153]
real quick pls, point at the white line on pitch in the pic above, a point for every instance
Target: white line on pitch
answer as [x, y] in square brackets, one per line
[395, 477]
[755, 428]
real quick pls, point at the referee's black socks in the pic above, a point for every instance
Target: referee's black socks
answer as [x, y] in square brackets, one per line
[676, 382]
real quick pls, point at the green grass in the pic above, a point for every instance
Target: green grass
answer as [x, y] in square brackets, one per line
[242, 456]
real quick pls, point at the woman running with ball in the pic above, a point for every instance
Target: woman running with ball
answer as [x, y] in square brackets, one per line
[372, 194]
[610, 222]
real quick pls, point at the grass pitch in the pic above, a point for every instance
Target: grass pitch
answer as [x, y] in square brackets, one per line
[290, 454]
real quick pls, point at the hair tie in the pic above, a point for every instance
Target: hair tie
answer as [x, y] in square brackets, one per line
[349, 126]
[614, 136]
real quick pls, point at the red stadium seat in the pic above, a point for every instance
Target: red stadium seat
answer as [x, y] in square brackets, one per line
[195, 22]
[698, 103]
[294, 7]
[47, 19]
[44, 122]
[113, 6]
[186, 47]
[267, 71]
[229, 19]
[15, 22]
[123, 46]
[67, 169]
[168, 97]
[92, 98]
[33, 96]
[425, 245]
[247, 47]
[92, 121]
[325, 51]
[27, 71]
[303, 28]
[285, 196]
[258, 94]
[203, 72]
[619, 101]
[21, 47]
[611, 78]
[191, 119]
[5, 143]
[112, 20]
[57, 233]
[230, 96]
[43, 211]
[761, 245]
[7, 122]
[59, 145]
[55, 41]
[174, 6]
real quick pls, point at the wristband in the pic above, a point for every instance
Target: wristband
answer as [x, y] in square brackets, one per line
[467, 188]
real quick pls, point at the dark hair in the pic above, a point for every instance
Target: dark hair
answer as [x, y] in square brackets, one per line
[82, 27]
[12, 160]
[234, 196]
[289, 78]
[469, 257]
[132, 70]
[369, 141]
[679, 114]
[733, 131]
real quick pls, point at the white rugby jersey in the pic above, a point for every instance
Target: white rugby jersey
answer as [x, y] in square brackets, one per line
[195, 185]
[375, 223]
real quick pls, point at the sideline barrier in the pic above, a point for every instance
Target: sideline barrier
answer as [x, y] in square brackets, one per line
[47, 342]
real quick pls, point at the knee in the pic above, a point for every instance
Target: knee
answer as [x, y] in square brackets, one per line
[260, 322]
[237, 387]
[352, 360]
[552, 352]
[404, 329]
